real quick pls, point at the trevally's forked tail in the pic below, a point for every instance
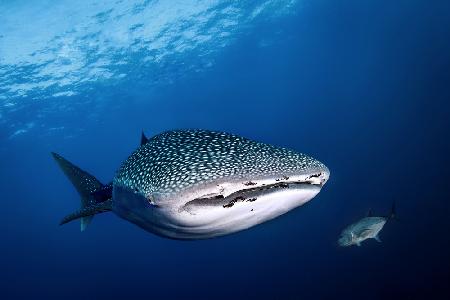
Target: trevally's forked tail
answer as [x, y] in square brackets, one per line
[95, 197]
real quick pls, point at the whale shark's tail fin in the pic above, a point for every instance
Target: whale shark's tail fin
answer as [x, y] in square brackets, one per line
[88, 213]
[94, 195]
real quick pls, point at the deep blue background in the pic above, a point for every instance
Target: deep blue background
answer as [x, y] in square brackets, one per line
[361, 85]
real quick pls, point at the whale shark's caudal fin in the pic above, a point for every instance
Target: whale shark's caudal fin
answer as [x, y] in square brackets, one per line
[95, 197]
[88, 213]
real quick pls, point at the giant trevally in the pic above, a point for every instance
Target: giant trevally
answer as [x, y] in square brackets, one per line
[197, 184]
[366, 228]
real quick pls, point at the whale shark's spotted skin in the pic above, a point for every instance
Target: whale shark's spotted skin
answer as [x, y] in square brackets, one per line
[192, 184]
[174, 160]
[197, 184]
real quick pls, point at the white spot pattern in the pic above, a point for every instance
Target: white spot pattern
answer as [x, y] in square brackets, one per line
[174, 160]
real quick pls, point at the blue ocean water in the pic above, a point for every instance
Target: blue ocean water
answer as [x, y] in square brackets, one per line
[363, 86]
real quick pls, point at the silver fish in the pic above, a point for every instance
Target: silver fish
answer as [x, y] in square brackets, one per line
[366, 228]
[197, 184]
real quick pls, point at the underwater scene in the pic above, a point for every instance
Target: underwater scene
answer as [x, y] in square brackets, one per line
[181, 149]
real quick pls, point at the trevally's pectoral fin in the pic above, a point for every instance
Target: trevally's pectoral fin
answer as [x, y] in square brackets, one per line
[88, 211]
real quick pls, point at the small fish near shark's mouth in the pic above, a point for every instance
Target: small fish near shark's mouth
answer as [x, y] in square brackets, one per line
[253, 190]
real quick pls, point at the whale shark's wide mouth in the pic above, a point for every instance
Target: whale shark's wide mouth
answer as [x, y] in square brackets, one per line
[252, 190]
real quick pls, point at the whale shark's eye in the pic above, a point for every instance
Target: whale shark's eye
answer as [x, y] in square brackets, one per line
[150, 200]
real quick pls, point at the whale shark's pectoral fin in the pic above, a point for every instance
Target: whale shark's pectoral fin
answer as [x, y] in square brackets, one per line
[358, 244]
[88, 211]
[377, 238]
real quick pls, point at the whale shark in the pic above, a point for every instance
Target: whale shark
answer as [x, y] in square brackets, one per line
[366, 228]
[199, 184]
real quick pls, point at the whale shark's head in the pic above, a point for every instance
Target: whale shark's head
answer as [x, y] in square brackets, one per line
[192, 184]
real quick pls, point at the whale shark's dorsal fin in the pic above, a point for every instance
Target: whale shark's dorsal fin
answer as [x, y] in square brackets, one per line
[144, 139]
[84, 183]
[369, 213]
